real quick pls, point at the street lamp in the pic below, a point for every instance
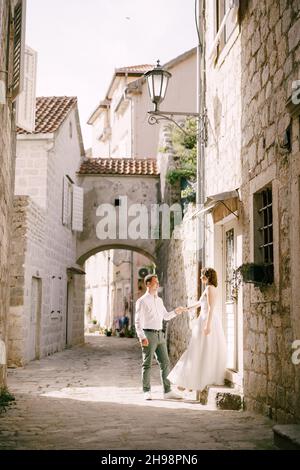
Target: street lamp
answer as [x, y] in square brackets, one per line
[158, 79]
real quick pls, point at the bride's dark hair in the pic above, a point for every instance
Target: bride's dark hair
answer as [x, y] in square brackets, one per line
[211, 275]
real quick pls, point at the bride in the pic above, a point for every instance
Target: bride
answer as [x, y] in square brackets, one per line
[204, 361]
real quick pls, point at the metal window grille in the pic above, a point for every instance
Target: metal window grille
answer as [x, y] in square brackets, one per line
[266, 226]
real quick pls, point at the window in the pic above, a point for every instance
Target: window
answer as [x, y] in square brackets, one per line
[229, 263]
[19, 24]
[72, 205]
[222, 7]
[26, 100]
[67, 201]
[263, 228]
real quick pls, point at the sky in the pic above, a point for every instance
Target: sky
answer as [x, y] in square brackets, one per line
[81, 42]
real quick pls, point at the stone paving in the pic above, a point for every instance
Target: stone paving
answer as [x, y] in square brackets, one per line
[89, 397]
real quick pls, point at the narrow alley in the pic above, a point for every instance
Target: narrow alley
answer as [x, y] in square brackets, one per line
[89, 397]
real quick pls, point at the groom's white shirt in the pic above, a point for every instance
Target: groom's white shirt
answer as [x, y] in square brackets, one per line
[150, 313]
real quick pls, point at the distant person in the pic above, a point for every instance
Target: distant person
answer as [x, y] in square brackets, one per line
[204, 361]
[149, 316]
[124, 324]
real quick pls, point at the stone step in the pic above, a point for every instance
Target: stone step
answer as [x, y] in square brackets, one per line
[224, 398]
[287, 436]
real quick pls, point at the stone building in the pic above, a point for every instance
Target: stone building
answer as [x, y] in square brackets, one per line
[47, 288]
[119, 123]
[12, 21]
[270, 67]
[222, 208]
[251, 205]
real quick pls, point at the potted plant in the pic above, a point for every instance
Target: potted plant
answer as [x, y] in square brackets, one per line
[107, 331]
[255, 273]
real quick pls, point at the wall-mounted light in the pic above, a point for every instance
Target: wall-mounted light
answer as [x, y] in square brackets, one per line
[158, 79]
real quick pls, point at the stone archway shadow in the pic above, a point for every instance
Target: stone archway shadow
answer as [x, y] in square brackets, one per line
[114, 246]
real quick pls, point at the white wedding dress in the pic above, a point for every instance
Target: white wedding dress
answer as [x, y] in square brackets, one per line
[204, 361]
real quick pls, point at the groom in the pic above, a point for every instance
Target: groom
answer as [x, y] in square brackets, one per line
[149, 316]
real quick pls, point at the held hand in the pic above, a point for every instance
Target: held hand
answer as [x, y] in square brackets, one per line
[179, 310]
[144, 342]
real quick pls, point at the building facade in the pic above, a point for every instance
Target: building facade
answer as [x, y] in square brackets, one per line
[270, 68]
[251, 209]
[120, 122]
[47, 287]
[12, 17]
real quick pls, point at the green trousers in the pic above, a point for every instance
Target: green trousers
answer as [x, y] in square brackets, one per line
[158, 348]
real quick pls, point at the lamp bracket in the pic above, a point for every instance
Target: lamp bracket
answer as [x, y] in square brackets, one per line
[156, 116]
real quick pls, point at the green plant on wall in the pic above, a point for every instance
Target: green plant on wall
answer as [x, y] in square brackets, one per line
[185, 150]
[189, 193]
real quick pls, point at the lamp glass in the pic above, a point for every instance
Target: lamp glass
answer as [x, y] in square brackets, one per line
[157, 87]
[150, 86]
[164, 86]
[157, 80]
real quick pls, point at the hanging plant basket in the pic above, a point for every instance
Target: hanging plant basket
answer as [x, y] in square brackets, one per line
[258, 274]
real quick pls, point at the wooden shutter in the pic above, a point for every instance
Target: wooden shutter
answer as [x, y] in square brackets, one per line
[77, 209]
[65, 204]
[19, 22]
[26, 101]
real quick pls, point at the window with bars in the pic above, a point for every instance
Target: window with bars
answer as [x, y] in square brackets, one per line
[263, 219]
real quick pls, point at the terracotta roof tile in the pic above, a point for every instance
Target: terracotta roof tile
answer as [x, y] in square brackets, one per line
[119, 166]
[51, 112]
[140, 69]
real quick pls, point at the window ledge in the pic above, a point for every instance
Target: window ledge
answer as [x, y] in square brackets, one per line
[226, 49]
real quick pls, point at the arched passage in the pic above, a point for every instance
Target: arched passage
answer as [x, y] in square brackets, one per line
[112, 186]
[113, 283]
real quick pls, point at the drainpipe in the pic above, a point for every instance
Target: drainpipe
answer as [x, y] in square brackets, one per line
[130, 98]
[201, 89]
[108, 317]
[131, 289]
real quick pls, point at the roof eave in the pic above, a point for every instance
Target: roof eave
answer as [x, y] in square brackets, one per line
[119, 175]
[182, 57]
[36, 136]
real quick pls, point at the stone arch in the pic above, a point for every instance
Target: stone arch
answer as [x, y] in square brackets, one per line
[106, 189]
[115, 246]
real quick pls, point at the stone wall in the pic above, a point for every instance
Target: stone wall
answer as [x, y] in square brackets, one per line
[16, 329]
[270, 32]
[177, 263]
[223, 101]
[178, 271]
[7, 152]
[104, 189]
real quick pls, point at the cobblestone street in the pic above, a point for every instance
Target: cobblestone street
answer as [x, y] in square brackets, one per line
[89, 397]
